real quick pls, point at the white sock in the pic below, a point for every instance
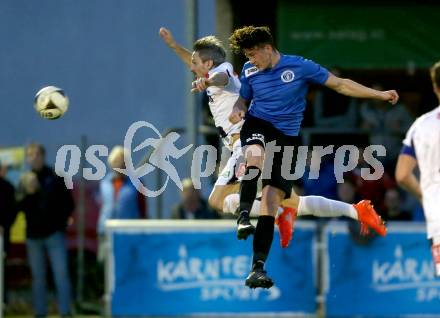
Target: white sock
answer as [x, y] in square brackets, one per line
[323, 207]
[232, 201]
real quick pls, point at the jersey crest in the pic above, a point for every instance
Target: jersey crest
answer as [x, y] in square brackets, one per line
[287, 76]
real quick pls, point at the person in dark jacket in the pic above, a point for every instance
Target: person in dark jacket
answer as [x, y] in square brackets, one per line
[8, 212]
[8, 206]
[47, 205]
[119, 198]
[192, 206]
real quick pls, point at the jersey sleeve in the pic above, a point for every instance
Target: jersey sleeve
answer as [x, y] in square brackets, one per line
[408, 142]
[245, 89]
[314, 72]
[225, 67]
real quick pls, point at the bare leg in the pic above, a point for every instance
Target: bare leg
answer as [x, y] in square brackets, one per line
[219, 193]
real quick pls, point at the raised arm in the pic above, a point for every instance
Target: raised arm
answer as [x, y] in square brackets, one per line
[351, 88]
[181, 52]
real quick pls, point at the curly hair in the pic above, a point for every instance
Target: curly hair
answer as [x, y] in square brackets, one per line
[249, 37]
[435, 74]
[210, 48]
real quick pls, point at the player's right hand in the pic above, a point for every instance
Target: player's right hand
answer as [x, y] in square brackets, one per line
[391, 96]
[200, 85]
[166, 36]
[236, 116]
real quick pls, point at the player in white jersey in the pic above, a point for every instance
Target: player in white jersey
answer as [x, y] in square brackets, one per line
[421, 148]
[217, 77]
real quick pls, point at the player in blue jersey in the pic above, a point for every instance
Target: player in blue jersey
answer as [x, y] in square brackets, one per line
[217, 77]
[274, 86]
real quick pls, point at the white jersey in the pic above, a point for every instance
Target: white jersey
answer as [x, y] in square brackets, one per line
[222, 99]
[423, 140]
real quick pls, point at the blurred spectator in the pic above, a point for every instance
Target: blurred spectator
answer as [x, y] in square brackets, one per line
[386, 125]
[8, 212]
[325, 185]
[347, 191]
[8, 206]
[332, 109]
[373, 190]
[192, 206]
[393, 207]
[119, 197]
[47, 205]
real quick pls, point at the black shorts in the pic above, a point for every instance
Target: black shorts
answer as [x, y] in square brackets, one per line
[256, 131]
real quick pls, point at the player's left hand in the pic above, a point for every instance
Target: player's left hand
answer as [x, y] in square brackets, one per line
[390, 96]
[200, 85]
[167, 36]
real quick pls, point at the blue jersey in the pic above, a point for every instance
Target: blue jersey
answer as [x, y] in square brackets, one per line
[278, 94]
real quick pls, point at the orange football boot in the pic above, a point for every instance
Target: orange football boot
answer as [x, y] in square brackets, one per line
[285, 222]
[369, 218]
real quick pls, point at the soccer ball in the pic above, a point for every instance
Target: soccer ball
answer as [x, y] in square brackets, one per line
[51, 102]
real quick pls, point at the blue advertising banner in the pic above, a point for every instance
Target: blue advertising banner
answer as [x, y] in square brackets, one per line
[175, 268]
[388, 277]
